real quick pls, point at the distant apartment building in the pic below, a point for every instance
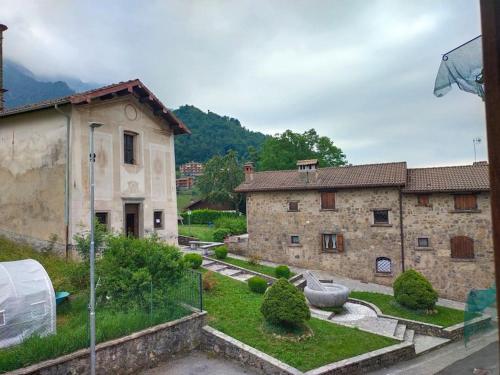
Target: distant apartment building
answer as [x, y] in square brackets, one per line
[371, 222]
[192, 169]
[184, 183]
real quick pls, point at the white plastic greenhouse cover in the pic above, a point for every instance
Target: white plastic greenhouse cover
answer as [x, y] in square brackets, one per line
[27, 302]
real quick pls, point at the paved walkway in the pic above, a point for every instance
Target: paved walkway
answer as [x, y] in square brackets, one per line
[199, 363]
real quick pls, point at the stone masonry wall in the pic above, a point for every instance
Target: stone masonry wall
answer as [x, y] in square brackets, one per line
[129, 354]
[270, 226]
[453, 278]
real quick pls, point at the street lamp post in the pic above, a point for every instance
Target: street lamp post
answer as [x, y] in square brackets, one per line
[92, 126]
[189, 221]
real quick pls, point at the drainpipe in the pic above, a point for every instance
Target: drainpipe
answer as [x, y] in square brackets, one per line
[401, 230]
[66, 179]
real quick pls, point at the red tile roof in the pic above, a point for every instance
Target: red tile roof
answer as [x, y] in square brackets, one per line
[134, 87]
[416, 180]
[458, 179]
[370, 175]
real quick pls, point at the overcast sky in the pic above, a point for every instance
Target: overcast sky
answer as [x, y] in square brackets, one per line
[360, 72]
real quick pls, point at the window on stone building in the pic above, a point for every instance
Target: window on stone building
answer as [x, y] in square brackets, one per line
[129, 148]
[102, 218]
[327, 200]
[383, 265]
[158, 219]
[464, 202]
[295, 240]
[423, 242]
[462, 247]
[293, 206]
[423, 200]
[333, 242]
[381, 217]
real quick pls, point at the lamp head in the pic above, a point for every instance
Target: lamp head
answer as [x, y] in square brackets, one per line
[95, 124]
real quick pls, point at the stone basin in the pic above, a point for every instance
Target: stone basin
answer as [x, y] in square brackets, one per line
[334, 295]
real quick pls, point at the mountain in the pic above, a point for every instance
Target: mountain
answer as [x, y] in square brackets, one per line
[212, 134]
[24, 88]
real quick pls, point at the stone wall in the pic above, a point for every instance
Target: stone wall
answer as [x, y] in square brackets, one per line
[270, 226]
[439, 222]
[129, 354]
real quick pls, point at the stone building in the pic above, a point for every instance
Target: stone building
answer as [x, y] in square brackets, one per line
[370, 222]
[44, 166]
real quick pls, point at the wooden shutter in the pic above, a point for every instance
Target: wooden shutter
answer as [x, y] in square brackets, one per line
[423, 200]
[465, 202]
[340, 243]
[327, 200]
[462, 247]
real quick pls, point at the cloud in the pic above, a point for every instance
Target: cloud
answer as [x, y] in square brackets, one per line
[359, 72]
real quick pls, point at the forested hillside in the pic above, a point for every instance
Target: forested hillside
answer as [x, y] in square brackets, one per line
[212, 135]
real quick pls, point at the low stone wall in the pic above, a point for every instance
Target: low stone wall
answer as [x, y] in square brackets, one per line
[128, 354]
[184, 240]
[54, 247]
[371, 361]
[453, 333]
[228, 347]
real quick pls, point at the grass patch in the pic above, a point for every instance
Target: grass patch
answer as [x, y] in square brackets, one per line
[266, 270]
[444, 317]
[231, 303]
[202, 232]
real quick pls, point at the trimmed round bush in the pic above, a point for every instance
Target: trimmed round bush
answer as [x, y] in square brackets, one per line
[221, 233]
[221, 252]
[282, 271]
[414, 291]
[285, 305]
[193, 260]
[257, 284]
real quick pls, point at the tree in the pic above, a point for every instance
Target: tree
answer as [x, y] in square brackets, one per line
[221, 175]
[283, 150]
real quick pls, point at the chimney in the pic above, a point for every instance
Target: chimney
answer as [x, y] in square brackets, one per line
[248, 172]
[308, 170]
[2, 90]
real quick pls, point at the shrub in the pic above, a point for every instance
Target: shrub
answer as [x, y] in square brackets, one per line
[414, 291]
[193, 260]
[282, 271]
[257, 284]
[237, 225]
[208, 281]
[285, 305]
[220, 234]
[206, 216]
[83, 240]
[221, 252]
[254, 260]
[136, 272]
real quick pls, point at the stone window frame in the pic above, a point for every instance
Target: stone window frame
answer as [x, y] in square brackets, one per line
[290, 240]
[108, 217]
[417, 243]
[339, 242]
[383, 274]
[293, 201]
[137, 145]
[162, 220]
[389, 217]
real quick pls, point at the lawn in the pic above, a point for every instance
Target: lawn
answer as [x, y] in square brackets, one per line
[202, 232]
[266, 270]
[231, 303]
[444, 317]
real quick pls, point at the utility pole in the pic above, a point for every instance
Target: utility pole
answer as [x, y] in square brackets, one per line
[92, 126]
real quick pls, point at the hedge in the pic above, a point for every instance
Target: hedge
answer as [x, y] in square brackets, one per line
[207, 216]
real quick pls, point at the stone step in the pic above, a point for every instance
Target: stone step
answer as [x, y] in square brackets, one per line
[424, 344]
[409, 335]
[230, 271]
[216, 267]
[242, 276]
[400, 330]
[206, 263]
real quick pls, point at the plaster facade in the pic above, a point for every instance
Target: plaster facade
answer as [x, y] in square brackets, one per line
[32, 170]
